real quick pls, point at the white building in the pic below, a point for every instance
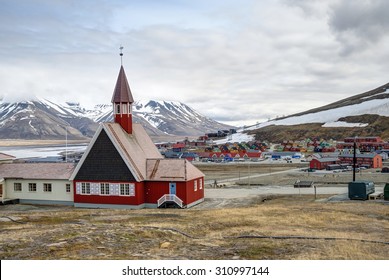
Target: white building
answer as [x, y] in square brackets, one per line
[36, 183]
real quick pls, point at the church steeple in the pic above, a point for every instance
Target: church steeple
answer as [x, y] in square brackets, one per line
[122, 100]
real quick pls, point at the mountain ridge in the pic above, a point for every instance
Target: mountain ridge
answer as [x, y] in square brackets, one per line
[45, 119]
[364, 114]
[382, 92]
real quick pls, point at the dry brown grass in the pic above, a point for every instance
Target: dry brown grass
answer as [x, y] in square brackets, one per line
[66, 233]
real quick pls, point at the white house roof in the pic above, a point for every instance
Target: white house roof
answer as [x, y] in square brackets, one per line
[6, 157]
[40, 171]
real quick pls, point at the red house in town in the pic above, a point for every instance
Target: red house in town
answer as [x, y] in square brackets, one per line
[371, 160]
[322, 163]
[122, 168]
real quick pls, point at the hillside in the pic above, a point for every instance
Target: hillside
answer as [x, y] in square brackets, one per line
[365, 114]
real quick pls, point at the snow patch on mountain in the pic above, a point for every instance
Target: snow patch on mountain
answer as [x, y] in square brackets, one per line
[52, 120]
[375, 106]
[344, 124]
[236, 137]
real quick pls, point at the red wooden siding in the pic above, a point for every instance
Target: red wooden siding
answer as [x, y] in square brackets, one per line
[138, 199]
[155, 190]
[125, 120]
[191, 194]
[184, 190]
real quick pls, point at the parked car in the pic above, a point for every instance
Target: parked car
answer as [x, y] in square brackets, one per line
[385, 170]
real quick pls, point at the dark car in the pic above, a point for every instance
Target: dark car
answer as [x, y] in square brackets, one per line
[385, 170]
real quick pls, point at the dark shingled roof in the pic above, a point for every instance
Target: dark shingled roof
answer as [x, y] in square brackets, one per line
[122, 92]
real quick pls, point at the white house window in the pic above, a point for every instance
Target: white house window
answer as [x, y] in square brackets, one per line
[47, 188]
[32, 187]
[85, 188]
[195, 185]
[117, 108]
[201, 184]
[68, 188]
[124, 189]
[17, 187]
[104, 188]
[127, 189]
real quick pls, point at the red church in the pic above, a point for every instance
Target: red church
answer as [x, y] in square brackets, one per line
[122, 168]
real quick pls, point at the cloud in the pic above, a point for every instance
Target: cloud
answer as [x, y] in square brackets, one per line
[359, 24]
[239, 63]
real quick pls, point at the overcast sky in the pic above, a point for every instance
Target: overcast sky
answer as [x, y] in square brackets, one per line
[238, 62]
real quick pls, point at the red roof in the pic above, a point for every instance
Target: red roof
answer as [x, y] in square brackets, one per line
[122, 92]
[178, 145]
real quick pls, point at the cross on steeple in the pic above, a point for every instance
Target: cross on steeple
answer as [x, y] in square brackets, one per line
[121, 55]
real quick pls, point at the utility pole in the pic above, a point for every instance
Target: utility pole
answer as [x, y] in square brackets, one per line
[249, 175]
[66, 143]
[354, 158]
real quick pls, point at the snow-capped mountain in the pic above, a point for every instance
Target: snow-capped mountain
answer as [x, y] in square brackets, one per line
[44, 119]
[162, 118]
[362, 114]
[172, 117]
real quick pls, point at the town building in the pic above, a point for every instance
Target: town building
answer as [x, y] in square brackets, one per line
[371, 160]
[323, 163]
[36, 183]
[364, 144]
[6, 158]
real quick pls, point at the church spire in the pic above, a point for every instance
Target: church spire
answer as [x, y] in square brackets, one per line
[122, 99]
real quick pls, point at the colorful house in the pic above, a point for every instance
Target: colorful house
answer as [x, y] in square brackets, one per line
[122, 168]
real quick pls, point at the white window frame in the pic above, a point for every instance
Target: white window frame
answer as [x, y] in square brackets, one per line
[47, 187]
[201, 184]
[18, 187]
[32, 187]
[68, 188]
[85, 188]
[125, 189]
[195, 185]
[104, 189]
